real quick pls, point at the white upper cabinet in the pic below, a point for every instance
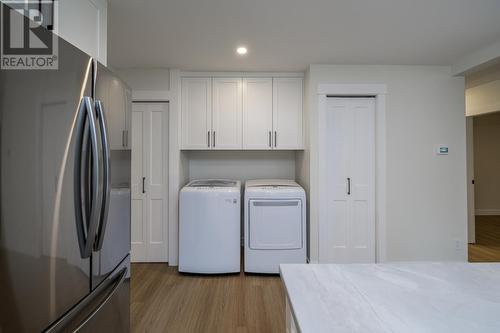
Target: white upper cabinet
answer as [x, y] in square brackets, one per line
[196, 118]
[226, 114]
[287, 113]
[241, 114]
[83, 23]
[116, 114]
[257, 113]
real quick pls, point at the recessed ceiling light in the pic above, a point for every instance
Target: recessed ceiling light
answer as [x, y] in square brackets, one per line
[241, 50]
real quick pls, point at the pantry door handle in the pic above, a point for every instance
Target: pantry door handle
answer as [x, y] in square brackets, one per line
[213, 143]
[270, 140]
[143, 184]
[208, 139]
[348, 186]
[275, 139]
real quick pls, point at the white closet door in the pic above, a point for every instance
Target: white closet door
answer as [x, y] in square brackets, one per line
[257, 113]
[227, 114]
[151, 184]
[139, 251]
[196, 112]
[350, 229]
[156, 180]
[287, 113]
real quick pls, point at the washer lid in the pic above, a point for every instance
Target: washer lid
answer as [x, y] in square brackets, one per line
[271, 183]
[212, 183]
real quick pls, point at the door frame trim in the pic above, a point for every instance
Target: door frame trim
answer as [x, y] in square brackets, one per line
[378, 91]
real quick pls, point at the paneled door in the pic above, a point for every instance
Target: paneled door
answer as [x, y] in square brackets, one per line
[149, 182]
[226, 114]
[349, 232]
[287, 113]
[196, 114]
[257, 113]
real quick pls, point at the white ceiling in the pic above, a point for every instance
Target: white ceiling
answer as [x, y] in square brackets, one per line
[288, 35]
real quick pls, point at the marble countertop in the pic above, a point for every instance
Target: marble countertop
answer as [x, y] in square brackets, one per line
[396, 297]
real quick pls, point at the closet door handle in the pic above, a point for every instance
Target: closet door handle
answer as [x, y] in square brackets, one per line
[208, 139]
[213, 143]
[270, 140]
[143, 184]
[348, 186]
[275, 139]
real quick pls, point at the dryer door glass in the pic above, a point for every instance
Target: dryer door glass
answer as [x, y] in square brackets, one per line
[275, 224]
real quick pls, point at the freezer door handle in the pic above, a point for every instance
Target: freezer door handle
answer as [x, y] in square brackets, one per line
[86, 226]
[110, 286]
[103, 218]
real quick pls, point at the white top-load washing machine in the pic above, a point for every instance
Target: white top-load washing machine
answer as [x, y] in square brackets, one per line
[275, 225]
[209, 227]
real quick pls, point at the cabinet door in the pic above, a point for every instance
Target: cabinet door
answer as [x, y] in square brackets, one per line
[287, 113]
[128, 119]
[257, 113]
[196, 113]
[116, 114]
[227, 114]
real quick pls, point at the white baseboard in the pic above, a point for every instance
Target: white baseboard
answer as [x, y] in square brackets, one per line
[487, 211]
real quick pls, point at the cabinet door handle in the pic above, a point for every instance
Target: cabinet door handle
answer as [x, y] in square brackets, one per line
[348, 186]
[275, 139]
[213, 143]
[208, 139]
[123, 139]
[143, 185]
[270, 139]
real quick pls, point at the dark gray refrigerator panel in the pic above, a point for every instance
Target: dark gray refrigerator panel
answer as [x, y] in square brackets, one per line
[113, 235]
[45, 229]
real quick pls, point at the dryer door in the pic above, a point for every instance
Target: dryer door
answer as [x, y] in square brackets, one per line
[275, 224]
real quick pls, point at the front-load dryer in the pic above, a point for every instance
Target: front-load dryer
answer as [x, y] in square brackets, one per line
[209, 227]
[274, 225]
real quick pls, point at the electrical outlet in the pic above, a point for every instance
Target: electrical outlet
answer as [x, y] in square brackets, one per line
[458, 244]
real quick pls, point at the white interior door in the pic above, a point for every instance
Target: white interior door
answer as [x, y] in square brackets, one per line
[471, 206]
[149, 182]
[257, 113]
[227, 114]
[349, 235]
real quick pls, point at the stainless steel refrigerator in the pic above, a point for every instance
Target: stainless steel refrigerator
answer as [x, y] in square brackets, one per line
[63, 266]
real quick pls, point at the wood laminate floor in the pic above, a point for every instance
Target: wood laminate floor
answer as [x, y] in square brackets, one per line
[162, 300]
[487, 247]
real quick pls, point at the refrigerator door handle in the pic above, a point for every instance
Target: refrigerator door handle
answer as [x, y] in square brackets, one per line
[114, 283]
[86, 227]
[103, 217]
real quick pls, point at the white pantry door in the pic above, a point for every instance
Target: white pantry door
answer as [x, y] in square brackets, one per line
[350, 227]
[149, 182]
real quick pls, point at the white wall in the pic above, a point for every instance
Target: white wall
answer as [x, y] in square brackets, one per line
[120, 167]
[426, 194]
[241, 165]
[487, 164]
[142, 79]
[303, 157]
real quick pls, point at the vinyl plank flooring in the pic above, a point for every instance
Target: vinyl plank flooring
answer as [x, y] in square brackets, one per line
[487, 246]
[162, 300]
